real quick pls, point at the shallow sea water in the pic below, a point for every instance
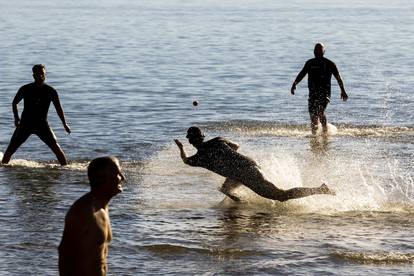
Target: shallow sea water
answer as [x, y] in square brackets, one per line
[127, 74]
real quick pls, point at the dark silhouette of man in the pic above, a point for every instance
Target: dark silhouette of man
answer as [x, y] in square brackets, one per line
[37, 97]
[220, 155]
[320, 71]
[83, 250]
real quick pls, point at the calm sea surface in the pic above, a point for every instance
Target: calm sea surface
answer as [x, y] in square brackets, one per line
[127, 73]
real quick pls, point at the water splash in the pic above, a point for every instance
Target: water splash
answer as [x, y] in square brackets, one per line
[22, 163]
[361, 181]
[364, 178]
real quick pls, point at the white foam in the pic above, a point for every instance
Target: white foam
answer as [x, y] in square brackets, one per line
[72, 166]
[332, 130]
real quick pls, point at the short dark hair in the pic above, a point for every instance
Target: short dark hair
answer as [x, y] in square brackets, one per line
[38, 67]
[194, 131]
[97, 165]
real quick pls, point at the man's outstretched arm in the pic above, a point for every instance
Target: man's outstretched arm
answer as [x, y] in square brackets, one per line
[61, 114]
[182, 152]
[299, 78]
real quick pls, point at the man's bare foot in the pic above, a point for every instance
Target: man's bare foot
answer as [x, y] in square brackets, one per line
[325, 190]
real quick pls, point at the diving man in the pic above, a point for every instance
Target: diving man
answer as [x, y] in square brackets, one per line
[220, 155]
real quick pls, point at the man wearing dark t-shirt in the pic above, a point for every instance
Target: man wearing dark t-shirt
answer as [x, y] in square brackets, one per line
[37, 97]
[220, 155]
[320, 71]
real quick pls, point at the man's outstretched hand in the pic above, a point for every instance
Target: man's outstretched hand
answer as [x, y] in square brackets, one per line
[67, 128]
[178, 143]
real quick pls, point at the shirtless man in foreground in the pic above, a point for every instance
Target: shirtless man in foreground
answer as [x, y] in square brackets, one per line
[84, 246]
[220, 156]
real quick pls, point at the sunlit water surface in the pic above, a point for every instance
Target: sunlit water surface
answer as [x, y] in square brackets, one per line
[127, 73]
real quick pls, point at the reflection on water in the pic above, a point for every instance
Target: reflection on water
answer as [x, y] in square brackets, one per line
[319, 144]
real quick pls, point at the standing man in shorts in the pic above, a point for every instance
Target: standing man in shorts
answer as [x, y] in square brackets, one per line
[37, 97]
[320, 71]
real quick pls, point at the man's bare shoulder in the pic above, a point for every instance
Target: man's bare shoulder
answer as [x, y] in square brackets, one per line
[82, 209]
[85, 211]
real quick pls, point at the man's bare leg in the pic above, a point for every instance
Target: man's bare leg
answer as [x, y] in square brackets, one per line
[18, 138]
[228, 186]
[257, 183]
[304, 192]
[314, 123]
[11, 149]
[268, 190]
[322, 119]
[45, 133]
[57, 150]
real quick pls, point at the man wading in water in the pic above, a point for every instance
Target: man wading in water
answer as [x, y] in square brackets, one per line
[220, 156]
[37, 97]
[320, 71]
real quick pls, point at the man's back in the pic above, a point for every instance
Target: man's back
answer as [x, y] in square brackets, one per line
[216, 155]
[37, 100]
[320, 71]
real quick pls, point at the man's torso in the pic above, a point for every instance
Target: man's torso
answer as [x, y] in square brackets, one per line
[37, 100]
[88, 244]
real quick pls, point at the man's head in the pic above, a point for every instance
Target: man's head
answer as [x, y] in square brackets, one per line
[319, 49]
[195, 136]
[105, 175]
[39, 73]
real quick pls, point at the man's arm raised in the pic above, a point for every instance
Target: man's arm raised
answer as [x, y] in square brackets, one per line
[182, 152]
